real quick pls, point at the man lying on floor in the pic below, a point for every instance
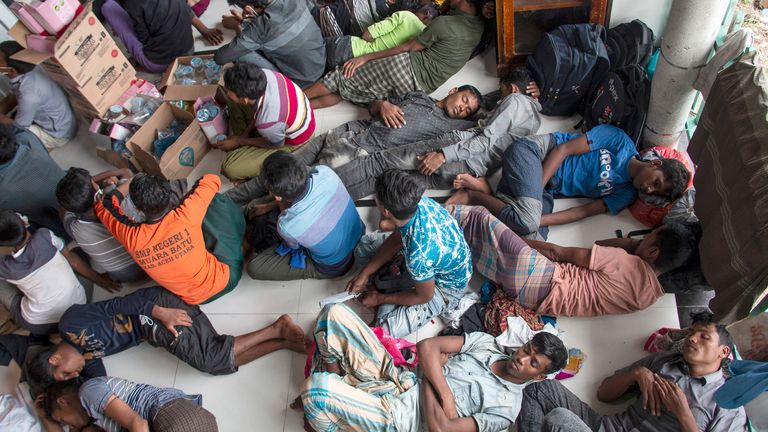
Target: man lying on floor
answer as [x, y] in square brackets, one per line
[676, 392]
[394, 122]
[92, 331]
[600, 164]
[614, 276]
[355, 386]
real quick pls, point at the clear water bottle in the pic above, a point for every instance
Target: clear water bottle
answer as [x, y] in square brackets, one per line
[203, 115]
[115, 113]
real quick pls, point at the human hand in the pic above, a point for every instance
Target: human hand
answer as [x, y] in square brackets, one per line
[231, 22]
[171, 318]
[392, 115]
[533, 90]
[431, 162]
[371, 299]
[6, 120]
[108, 284]
[358, 283]
[367, 36]
[213, 36]
[109, 181]
[351, 65]
[256, 210]
[645, 379]
[228, 144]
[672, 396]
[489, 10]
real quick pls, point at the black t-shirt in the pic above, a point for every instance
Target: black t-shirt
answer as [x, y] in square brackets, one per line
[163, 26]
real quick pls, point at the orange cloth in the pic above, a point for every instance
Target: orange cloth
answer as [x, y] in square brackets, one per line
[172, 251]
[616, 282]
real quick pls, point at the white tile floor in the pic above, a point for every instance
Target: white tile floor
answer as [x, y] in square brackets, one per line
[256, 398]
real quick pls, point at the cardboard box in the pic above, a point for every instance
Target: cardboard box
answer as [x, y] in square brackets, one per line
[181, 157]
[186, 92]
[86, 62]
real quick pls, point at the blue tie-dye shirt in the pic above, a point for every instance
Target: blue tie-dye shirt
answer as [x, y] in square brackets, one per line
[434, 248]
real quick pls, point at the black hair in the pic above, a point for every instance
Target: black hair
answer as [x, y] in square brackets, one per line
[409, 5]
[518, 76]
[399, 192]
[8, 145]
[39, 370]
[475, 92]
[246, 80]
[677, 175]
[706, 318]
[283, 175]
[75, 191]
[258, 4]
[553, 348]
[676, 243]
[150, 194]
[57, 390]
[428, 9]
[12, 229]
[9, 48]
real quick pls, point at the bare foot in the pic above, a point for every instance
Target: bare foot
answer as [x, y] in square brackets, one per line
[296, 346]
[297, 404]
[386, 225]
[460, 197]
[467, 181]
[289, 330]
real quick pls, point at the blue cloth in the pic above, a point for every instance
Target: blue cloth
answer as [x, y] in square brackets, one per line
[749, 380]
[602, 172]
[435, 248]
[323, 221]
[298, 258]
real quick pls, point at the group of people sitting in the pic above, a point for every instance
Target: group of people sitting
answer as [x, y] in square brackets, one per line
[292, 215]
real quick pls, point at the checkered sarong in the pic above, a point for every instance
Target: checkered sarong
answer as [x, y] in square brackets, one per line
[182, 415]
[378, 79]
[503, 257]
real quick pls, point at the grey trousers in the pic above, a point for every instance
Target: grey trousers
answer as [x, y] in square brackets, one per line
[539, 411]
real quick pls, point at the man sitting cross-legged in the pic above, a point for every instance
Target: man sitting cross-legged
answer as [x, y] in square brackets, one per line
[394, 122]
[434, 250]
[171, 245]
[317, 216]
[115, 404]
[90, 332]
[469, 383]
[478, 150]
[600, 164]
[676, 392]
[614, 276]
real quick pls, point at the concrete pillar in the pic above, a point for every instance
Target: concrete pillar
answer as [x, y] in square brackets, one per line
[688, 38]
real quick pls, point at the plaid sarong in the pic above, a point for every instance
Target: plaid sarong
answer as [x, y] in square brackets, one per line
[378, 79]
[182, 415]
[503, 257]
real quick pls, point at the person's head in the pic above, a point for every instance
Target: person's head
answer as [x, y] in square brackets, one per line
[245, 83]
[541, 356]
[397, 195]
[284, 176]
[7, 49]
[75, 191]
[151, 195]
[8, 145]
[462, 102]
[62, 404]
[707, 344]
[426, 13]
[664, 177]
[61, 362]
[515, 81]
[667, 247]
[13, 233]
[252, 7]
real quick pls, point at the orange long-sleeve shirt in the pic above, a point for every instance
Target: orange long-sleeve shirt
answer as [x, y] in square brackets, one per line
[172, 250]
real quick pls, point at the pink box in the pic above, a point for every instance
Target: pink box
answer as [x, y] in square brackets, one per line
[214, 127]
[21, 11]
[42, 44]
[54, 15]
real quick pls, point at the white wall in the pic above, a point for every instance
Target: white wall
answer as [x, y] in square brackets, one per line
[652, 12]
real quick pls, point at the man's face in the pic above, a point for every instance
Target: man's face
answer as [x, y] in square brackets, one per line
[234, 97]
[702, 346]
[460, 104]
[70, 412]
[651, 180]
[66, 363]
[647, 249]
[527, 364]
[508, 89]
[423, 17]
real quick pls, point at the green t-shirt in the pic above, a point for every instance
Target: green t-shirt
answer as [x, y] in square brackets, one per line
[398, 28]
[450, 40]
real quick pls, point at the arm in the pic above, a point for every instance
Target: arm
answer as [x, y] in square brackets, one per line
[386, 252]
[351, 65]
[628, 244]
[422, 293]
[82, 267]
[195, 205]
[577, 256]
[430, 352]
[119, 174]
[391, 114]
[233, 143]
[673, 397]
[213, 36]
[574, 214]
[555, 158]
[435, 417]
[378, 29]
[123, 415]
[616, 385]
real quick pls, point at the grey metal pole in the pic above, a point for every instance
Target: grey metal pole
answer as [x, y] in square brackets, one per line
[688, 38]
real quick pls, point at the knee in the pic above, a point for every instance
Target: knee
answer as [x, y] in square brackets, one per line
[556, 419]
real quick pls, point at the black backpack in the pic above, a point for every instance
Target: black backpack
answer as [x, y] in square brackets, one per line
[621, 99]
[629, 44]
[567, 65]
